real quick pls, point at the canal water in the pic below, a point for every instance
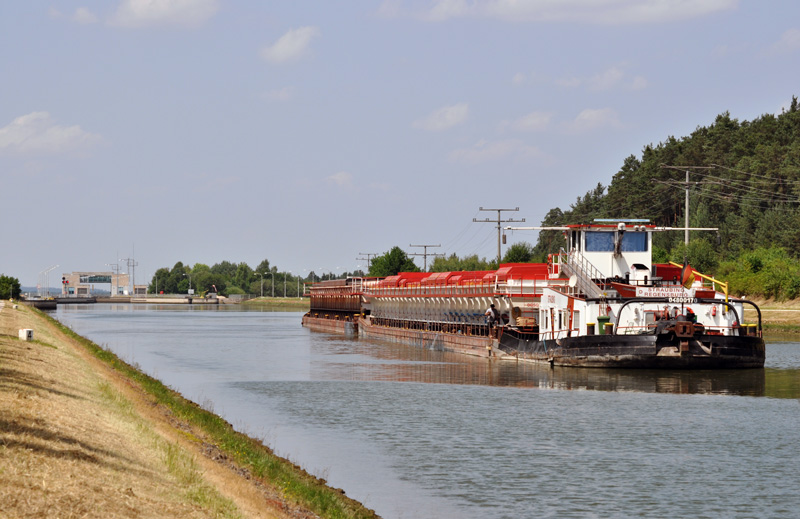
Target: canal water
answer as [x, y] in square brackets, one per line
[417, 433]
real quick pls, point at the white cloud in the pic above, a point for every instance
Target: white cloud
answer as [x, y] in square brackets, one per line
[789, 42]
[279, 95]
[612, 12]
[381, 186]
[531, 78]
[37, 133]
[639, 83]
[593, 119]
[445, 9]
[571, 82]
[721, 51]
[612, 78]
[341, 179]
[444, 118]
[291, 46]
[533, 122]
[483, 151]
[607, 79]
[390, 9]
[84, 16]
[141, 13]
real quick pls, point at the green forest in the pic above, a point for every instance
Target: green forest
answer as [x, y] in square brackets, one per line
[744, 179]
[227, 278]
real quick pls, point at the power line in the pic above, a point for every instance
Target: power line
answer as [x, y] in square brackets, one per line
[743, 200]
[755, 174]
[686, 185]
[498, 221]
[743, 194]
[478, 247]
[425, 254]
[743, 185]
[451, 244]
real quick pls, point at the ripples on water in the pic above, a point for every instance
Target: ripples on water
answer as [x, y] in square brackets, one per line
[417, 433]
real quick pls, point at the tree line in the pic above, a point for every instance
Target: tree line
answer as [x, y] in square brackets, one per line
[229, 278]
[744, 179]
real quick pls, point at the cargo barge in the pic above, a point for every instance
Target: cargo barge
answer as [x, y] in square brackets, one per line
[599, 302]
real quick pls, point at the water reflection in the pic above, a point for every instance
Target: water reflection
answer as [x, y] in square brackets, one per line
[335, 358]
[267, 345]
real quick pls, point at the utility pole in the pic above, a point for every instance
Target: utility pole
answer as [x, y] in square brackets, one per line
[498, 222]
[369, 256]
[132, 264]
[686, 184]
[425, 254]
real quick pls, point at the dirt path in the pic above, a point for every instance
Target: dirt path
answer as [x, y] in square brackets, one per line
[79, 440]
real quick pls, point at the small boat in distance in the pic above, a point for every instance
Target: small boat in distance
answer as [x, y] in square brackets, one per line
[599, 302]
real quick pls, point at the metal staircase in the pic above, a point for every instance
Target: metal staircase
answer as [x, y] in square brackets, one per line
[574, 264]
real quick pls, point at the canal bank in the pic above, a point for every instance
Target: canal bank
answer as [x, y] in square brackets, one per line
[84, 434]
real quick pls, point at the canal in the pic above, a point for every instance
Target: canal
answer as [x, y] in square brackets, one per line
[418, 433]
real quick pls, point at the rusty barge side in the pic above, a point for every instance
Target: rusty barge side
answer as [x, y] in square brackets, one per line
[335, 307]
[478, 345]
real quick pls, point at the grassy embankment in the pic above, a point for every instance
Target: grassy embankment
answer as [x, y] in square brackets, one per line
[776, 317]
[84, 434]
[290, 304]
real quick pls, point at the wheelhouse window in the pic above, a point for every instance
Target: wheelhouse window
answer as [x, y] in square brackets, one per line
[603, 241]
[598, 241]
[634, 242]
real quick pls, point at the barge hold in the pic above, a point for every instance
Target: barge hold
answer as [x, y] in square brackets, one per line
[599, 302]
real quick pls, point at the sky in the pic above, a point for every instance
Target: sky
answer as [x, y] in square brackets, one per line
[314, 133]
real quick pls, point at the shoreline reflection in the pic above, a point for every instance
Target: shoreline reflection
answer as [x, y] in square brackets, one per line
[365, 360]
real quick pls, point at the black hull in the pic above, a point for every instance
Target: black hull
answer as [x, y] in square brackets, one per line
[640, 351]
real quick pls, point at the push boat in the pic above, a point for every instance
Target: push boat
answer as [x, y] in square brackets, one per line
[599, 302]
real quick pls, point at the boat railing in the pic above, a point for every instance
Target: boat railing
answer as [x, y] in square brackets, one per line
[744, 329]
[516, 288]
[574, 263]
[649, 328]
[520, 287]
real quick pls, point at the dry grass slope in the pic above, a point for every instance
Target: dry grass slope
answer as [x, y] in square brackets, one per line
[78, 439]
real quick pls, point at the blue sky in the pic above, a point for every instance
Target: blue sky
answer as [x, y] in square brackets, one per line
[307, 133]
